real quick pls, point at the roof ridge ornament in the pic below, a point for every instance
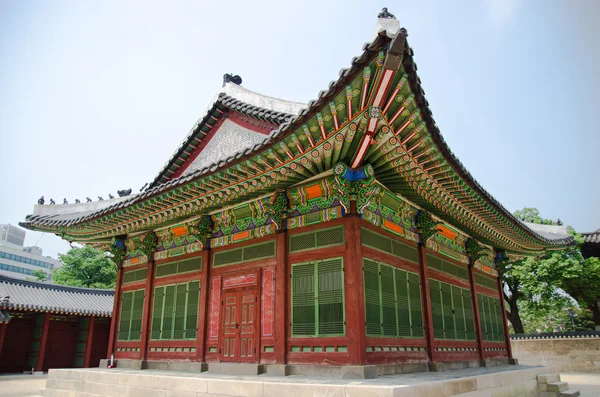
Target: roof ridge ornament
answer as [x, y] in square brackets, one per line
[229, 78]
[385, 14]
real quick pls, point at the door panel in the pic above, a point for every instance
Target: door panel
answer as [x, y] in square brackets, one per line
[239, 318]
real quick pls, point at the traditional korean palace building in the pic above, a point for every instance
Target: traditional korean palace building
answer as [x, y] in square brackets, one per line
[46, 326]
[340, 232]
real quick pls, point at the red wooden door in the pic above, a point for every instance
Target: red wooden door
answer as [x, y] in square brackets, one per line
[239, 318]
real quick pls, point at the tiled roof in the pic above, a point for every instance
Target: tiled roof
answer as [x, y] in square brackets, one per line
[593, 237]
[35, 296]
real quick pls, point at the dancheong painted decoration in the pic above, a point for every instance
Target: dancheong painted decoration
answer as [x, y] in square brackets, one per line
[339, 232]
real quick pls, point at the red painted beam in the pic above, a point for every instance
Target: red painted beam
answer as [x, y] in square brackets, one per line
[3, 328]
[114, 323]
[89, 342]
[426, 299]
[281, 298]
[203, 312]
[475, 305]
[504, 319]
[354, 290]
[147, 313]
[42, 351]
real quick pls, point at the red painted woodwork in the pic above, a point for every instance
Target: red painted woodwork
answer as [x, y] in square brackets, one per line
[115, 314]
[281, 319]
[3, 328]
[89, 342]
[215, 301]
[202, 309]
[475, 305]
[147, 312]
[17, 341]
[239, 326]
[100, 341]
[61, 344]
[43, 340]
[504, 319]
[354, 291]
[426, 302]
[268, 303]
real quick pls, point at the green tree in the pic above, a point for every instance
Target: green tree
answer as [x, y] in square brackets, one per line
[40, 275]
[536, 287]
[531, 215]
[86, 267]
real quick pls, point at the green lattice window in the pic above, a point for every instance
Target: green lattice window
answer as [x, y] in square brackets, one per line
[441, 265]
[244, 254]
[130, 318]
[392, 301]
[319, 239]
[452, 311]
[318, 298]
[175, 311]
[490, 318]
[133, 276]
[184, 266]
[486, 281]
[388, 245]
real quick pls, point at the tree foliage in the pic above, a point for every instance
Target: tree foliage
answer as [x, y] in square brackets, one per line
[549, 285]
[40, 275]
[532, 215]
[85, 267]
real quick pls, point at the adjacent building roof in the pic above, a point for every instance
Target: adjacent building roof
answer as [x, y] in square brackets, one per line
[592, 237]
[408, 154]
[18, 294]
[550, 232]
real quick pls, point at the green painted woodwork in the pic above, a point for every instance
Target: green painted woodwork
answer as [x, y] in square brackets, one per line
[486, 281]
[441, 265]
[392, 301]
[490, 318]
[130, 320]
[452, 311]
[318, 299]
[317, 239]
[133, 276]
[179, 267]
[175, 311]
[244, 254]
[388, 245]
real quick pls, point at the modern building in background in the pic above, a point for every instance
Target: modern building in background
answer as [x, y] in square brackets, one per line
[19, 261]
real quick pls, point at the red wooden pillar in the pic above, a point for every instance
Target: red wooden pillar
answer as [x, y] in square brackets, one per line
[475, 305]
[89, 342]
[114, 323]
[354, 286]
[281, 298]
[147, 314]
[3, 328]
[426, 299]
[504, 319]
[203, 312]
[42, 351]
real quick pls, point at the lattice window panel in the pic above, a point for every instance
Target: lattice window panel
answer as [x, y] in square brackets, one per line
[133, 276]
[244, 254]
[441, 265]
[318, 239]
[452, 311]
[175, 311]
[388, 245]
[318, 298]
[392, 301]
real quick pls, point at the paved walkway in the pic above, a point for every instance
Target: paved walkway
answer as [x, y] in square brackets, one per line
[587, 384]
[21, 385]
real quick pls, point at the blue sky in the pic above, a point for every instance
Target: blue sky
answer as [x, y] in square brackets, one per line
[95, 96]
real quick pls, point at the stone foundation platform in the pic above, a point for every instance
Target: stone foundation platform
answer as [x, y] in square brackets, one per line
[512, 380]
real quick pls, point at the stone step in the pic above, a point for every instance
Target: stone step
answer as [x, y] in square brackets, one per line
[236, 368]
[558, 386]
[569, 393]
[548, 378]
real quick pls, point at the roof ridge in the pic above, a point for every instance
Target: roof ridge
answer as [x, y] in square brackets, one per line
[57, 287]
